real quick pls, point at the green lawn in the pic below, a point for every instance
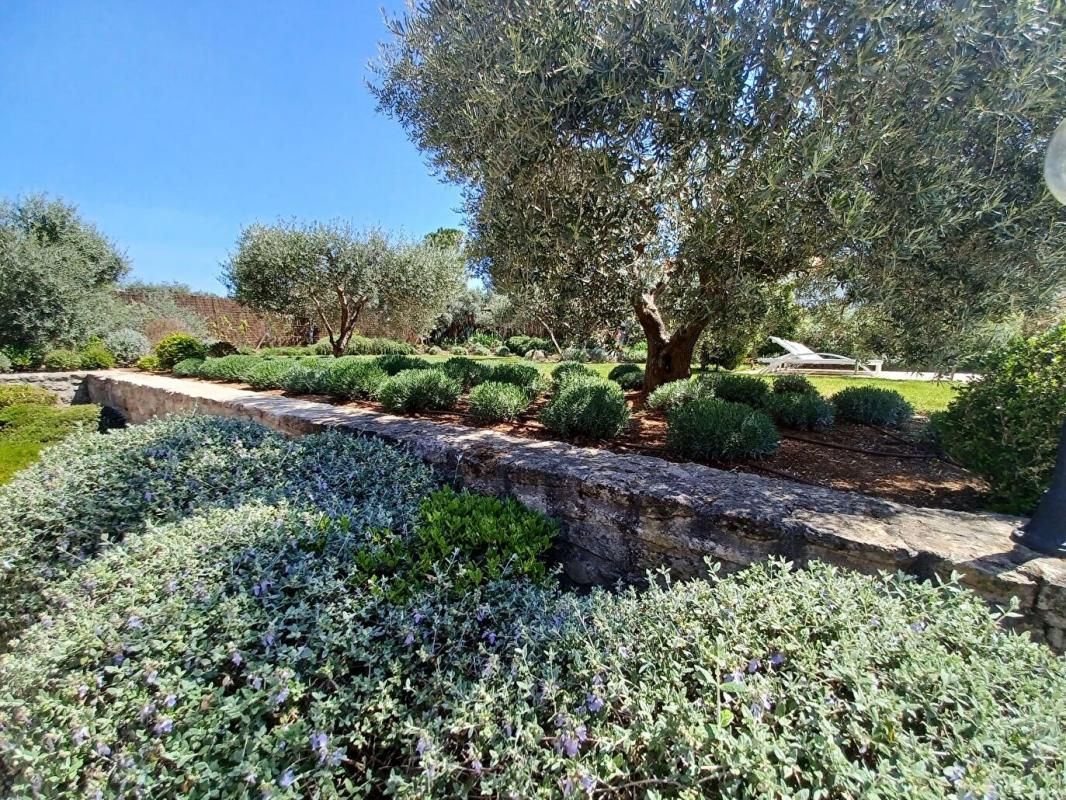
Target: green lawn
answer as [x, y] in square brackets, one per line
[925, 396]
[28, 428]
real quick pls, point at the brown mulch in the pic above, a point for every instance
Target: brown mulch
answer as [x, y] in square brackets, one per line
[897, 466]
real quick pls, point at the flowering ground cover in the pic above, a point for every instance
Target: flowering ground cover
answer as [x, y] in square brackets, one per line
[201, 607]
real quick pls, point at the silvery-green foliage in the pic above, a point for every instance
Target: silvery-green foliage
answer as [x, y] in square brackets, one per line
[92, 491]
[231, 653]
[676, 393]
[127, 345]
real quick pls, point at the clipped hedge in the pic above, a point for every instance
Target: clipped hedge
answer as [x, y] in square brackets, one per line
[419, 390]
[268, 373]
[711, 429]
[232, 368]
[498, 402]
[177, 347]
[801, 411]
[352, 378]
[1005, 425]
[870, 405]
[586, 406]
[188, 368]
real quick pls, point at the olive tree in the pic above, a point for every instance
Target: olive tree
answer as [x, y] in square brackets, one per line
[339, 277]
[55, 269]
[649, 158]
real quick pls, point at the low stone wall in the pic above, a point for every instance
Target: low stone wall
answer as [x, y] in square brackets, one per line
[625, 514]
[69, 386]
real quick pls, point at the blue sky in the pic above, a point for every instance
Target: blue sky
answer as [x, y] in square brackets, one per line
[172, 124]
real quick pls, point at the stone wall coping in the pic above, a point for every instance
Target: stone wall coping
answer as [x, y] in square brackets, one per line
[630, 513]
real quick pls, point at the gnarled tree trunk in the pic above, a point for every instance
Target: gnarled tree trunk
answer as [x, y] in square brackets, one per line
[669, 355]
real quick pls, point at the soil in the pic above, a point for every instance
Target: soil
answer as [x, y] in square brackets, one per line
[896, 465]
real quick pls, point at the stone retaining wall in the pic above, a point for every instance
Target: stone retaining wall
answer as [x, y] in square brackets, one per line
[67, 385]
[625, 514]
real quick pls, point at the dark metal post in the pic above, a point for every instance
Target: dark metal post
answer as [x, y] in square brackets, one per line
[1046, 531]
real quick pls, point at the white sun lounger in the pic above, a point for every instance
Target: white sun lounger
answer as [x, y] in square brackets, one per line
[800, 358]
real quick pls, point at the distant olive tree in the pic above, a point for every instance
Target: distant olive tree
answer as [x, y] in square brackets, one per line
[55, 269]
[340, 277]
[648, 158]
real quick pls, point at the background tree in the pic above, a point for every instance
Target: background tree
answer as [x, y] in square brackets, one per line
[645, 157]
[339, 277]
[55, 269]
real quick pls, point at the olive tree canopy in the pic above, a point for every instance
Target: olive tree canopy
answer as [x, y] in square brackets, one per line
[647, 158]
[340, 277]
[54, 269]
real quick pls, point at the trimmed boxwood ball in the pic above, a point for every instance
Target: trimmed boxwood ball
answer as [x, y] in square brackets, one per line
[465, 371]
[870, 405]
[628, 376]
[177, 347]
[497, 402]
[62, 360]
[393, 364]
[801, 411]
[419, 390]
[793, 384]
[711, 429]
[95, 356]
[525, 376]
[738, 388]
[567, 370]
[188, 368]
[586, 406]
[670, 395]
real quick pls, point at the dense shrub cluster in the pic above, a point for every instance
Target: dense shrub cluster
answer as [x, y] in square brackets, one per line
[1005, 426]
[870, 405]
[15, 394]
[738, 388]
[61, 360]
[465, 371]
[177, 347]
[524, 344]
[793, 384]
[566, 370]
[127, 345]
[221, 349]
[628, 376]
[528, 377]
[710, 429]
[231, 368]
[188, 368]
[30, 422]
[96, 356]
[586, 406]
[802, 411]
[268, 373]
[357, 346]
[497, 402]
[150, 363]
[670, 395]
[303, 617]
[393, 364]
[419, 390]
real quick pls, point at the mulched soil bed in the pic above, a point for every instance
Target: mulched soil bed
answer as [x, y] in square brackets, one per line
[896, 466]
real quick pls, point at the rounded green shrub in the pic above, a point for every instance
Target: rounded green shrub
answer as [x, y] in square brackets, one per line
[189, 368]
[62, 360]
[586, 406]
[353, 378]
[525, 376]
[268, 373]
[419, 390]
[95, 356]
[479, 350]
[670, 395]
[738, 388]
[497, 402]
[503, 352]
[177, 347]
[567, 370]
[801, 411]
[637, 354]
[433, 350]
[1005, 425]
[523, 344]
[306, 376]
[397, 363]
[458, 350]
[465, 371]
[711, 429]
[5, 364]
[793, 384]
[128, 345]
[628, 376]
[17, 394]
[870, 405]
[148, 363]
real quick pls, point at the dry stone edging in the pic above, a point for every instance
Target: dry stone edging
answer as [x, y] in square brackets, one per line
[623, 515]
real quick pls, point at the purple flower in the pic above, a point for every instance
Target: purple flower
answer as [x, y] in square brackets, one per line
[147, 712]
[588, 783]
[135, 623]
[480, 614]
[165, 725]
[417, 617]
[287, 779]
[955, 773]
[476, 766]
[336, 756]
[172, 586]
[236, 658]
[152, 678]
[917, 627]
[581, 732]
[409, 639]
[777, 659]
[79, 735]
[569, 745]
[257, 682]
[170, 700]
[490, 637]
[281, 696]
[319, 741]
[82, 691]
[753, 666]
[102, 749]
[422, 746]
[594, 703]
[267, 639]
